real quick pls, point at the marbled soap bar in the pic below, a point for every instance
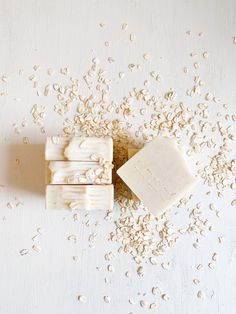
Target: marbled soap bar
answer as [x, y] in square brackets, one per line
[81, 197]
[78, 172]
[79, 148]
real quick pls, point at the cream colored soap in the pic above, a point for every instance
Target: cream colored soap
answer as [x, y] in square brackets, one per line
[79, 148]
[158, 174]
[81, 197]
[78, 172]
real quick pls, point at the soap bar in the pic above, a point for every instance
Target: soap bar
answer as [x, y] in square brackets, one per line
[84, 197]
[79, 148]
[78, 172]
[158, 174]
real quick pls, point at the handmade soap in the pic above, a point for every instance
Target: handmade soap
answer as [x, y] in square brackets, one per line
[79, 148]
[81, 197]
[78, 172]
[158, 174]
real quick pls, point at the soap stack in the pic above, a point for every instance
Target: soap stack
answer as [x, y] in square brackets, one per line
[79, 173]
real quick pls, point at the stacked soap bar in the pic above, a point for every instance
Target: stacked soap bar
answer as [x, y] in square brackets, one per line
[79, 173]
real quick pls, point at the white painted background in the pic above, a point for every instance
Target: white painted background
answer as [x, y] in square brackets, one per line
[67, 33]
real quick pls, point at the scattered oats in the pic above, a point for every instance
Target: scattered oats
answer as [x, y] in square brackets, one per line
[233, 203]
[153, 74]
[156, 291]
[76, 217]
[132, 37]
[109, 256]
[75, 258]
[40, 231]
[131, 302]
[36, 67]
[128, 274]
[196, 65]
[10, 205]
[101, 24]
[38, 114]
[200, 267]
[106, 299]
[124, 26]
[24, 252]
[216, 100]
[87, 223]
[196, 281]
[25, 140]
[234, 40]
[140, 271]
[106, 280]
[205, 54]
[188, 32]
[215, 257]
[211, 228]
[24, 123]
[35, 237]
[132, 67]
[4, 78]
[121, 75]
[146, 56]
[185, 70]
[165, 297]
[209, 96]
[19, 202]
[153, 306]
[143, 303]
[82, 298]
[92, 237]
[166, 266]
[211, 265]
[50, 71]
[21, 72]
[32, 78]
[107, 43]
[225, 106]
[170, 95]
[64, 71]
[200, 294]
[36, 248]
[47, 89]
[111, 60]
[143, 111]
[220, 240]
[200, 34]
[153, 260]
[72, 237]
[110, 268]
[193, 54]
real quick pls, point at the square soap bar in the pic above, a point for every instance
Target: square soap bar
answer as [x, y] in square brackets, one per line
[158, 174]
[79, 148]
[81, 197]
[78, 172]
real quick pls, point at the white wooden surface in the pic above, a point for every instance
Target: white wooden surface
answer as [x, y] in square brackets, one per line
[67, 33]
